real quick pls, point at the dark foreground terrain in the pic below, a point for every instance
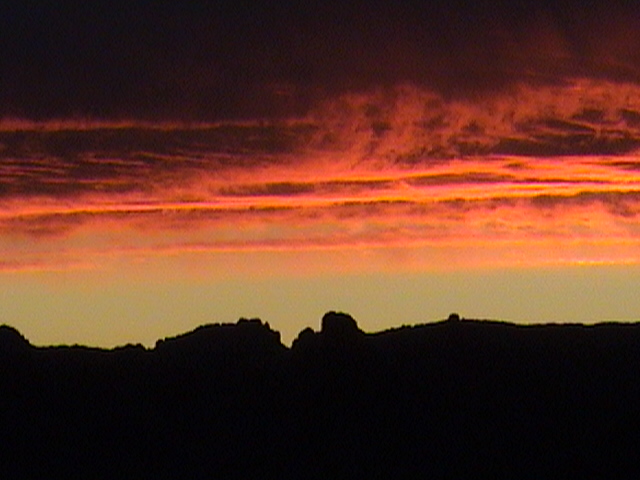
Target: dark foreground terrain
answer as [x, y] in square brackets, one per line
[454, 399]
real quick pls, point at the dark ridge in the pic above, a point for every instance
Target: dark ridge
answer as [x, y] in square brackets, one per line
[11, 340]
[457, 398]
[248, 336]
[339, 325]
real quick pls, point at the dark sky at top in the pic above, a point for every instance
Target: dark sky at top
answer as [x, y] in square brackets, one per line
[247, 59]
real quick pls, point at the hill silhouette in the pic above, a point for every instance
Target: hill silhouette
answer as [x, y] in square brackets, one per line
[451, 399]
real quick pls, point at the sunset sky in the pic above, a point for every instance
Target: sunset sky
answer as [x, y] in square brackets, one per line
[163, 166]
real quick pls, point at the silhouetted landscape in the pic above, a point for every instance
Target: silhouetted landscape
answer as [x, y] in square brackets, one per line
[456, 398]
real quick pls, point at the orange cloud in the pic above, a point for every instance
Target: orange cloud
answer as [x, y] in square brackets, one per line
[395, 168]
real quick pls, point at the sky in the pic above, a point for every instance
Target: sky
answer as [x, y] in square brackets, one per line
[164, 165]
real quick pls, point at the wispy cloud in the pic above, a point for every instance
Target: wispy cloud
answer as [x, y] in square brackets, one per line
[386, 167]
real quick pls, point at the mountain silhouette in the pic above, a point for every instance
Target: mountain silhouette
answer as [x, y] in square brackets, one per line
[249, 337]
[457, 398]
[11, 340]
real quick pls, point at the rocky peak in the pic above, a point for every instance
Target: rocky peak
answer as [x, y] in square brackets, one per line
[11, 340]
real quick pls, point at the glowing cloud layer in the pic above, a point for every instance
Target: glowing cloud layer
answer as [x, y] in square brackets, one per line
[535, 175]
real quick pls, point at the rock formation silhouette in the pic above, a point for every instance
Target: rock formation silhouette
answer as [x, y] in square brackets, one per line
[339, 326]
[450, 399]
[11, 340]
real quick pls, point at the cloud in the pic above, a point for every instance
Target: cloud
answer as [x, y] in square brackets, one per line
[409, 124]
[370, 138]
[132, 130]
[382, 168]
[270, 61]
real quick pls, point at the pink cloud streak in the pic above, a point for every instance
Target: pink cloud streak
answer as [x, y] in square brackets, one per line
[395, 168]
